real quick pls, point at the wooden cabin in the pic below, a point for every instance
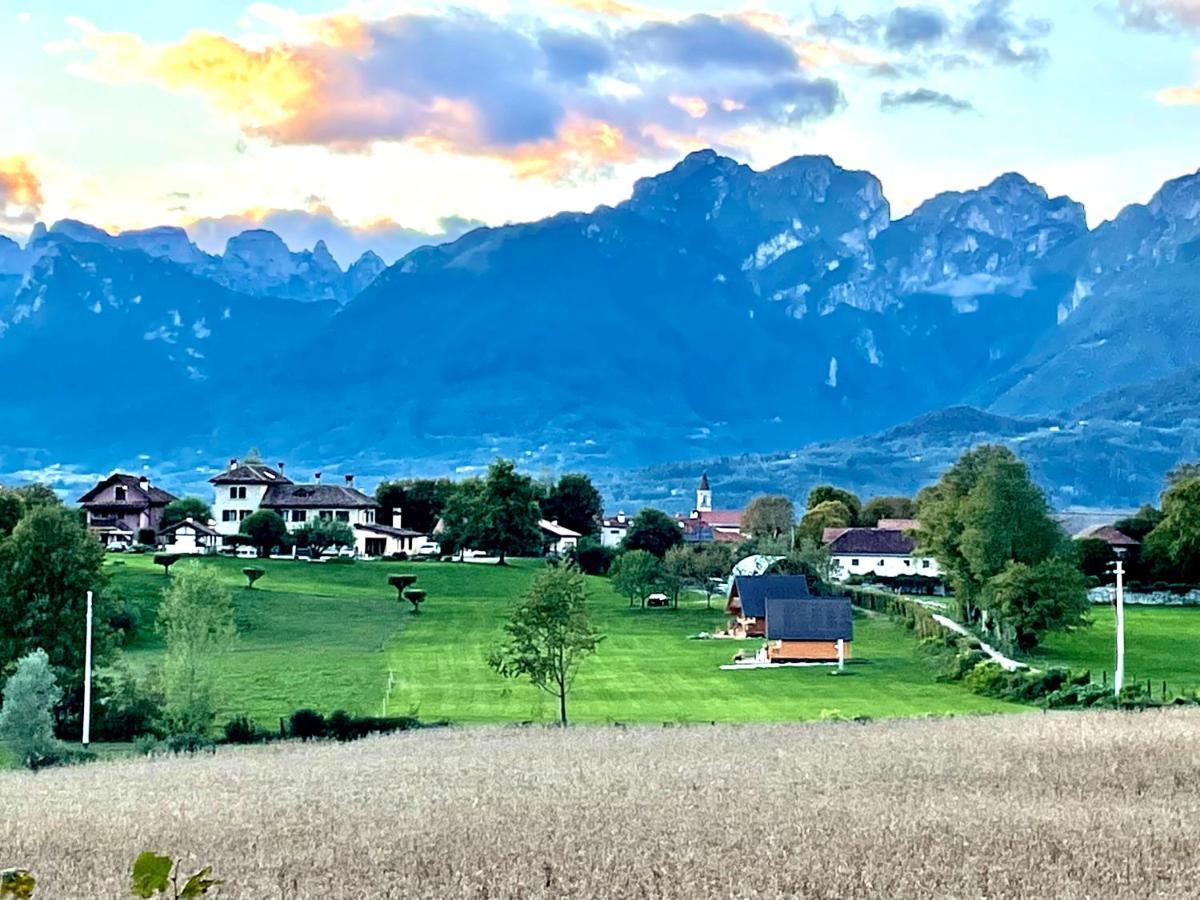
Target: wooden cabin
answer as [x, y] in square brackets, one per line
[809, 629]
[748, 597]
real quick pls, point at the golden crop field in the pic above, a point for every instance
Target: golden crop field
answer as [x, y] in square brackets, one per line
[1066, 805]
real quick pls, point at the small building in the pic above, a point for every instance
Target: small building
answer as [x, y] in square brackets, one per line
[613, 529]
[707, 525]
[810, 629]
[190, 537]
[1115, 539]
[558, 539]
[878, 552]
[387, 540]
[748, 595]
[121, 505]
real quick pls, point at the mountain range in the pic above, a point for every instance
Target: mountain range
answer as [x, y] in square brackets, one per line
[763, 323]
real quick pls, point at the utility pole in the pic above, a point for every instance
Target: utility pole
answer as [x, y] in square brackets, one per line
[87, 677]
[1119, 674]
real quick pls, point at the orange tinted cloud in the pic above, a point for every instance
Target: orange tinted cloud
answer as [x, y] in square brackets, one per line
[20, 191]
[1180, 96]
[580, 145]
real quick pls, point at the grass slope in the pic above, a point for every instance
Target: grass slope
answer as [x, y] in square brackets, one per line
[327, 636]
[1159, 646]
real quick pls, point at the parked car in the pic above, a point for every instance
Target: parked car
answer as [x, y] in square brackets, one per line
[429, 548]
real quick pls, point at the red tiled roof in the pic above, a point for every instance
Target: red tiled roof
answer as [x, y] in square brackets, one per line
[721, 517]
[1109, 535]
[898, 524]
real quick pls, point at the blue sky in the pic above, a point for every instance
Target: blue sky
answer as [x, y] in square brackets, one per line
[377, 123]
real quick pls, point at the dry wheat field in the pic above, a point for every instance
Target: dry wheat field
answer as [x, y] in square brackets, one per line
[1071, 805]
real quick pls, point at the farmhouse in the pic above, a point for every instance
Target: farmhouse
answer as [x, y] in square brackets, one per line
[748, 596]
[558, 538]
[121, 505]
[190, 537]
[809, 629]
[876, 552]
[613, 529]
[707, 525]
[1110, 535]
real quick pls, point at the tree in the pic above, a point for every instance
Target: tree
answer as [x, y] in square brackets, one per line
[654, 531]
[252, 574]
[27, 716]
[634, 574]
[461, 516]
[1182, 471]
[47, 567]
[984, 513]
[574, 503]
[183, 509]
[826, 514]
[811, 560]
[711, 564]
[1095, 556]
[12, 507]
[320, 534]
[508, 513]
[265, 529]
[35, 495]
[549, 635]
[824, 493]
[886, 508]
[416, 597]
[421, 502]
[1175, 541]
[769, 516]
[592, 557]
[196, 621]
[1029, 601]
[1140, 524]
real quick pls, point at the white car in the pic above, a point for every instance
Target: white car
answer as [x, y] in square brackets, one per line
[429, 548]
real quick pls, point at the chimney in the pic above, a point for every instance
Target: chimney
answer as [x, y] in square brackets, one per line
[621, 517]
[349, 481]
[280, 464]
[317, 477]
[397, 517]
[144, 483]
[233, 464]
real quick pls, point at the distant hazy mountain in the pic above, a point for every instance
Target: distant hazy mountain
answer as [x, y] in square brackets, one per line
[719, 311]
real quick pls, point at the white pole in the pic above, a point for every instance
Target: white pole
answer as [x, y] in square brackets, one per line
[1119, 676]
[87, 676]
[841, 654]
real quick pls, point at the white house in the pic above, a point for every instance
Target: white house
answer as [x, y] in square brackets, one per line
[558, 538]
[190, 537]
[881, 552]
[613, 529]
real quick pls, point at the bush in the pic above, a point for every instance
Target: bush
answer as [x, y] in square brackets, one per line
[124, 623]
[147, 536]
[188, 742]
[592, 557]
[243, 730]
[913, 615]
[306, 724]
[400, 556]
[253, 573]
[127, 708]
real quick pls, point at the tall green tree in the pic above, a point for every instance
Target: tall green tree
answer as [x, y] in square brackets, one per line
[1029, 600]
[826, 493]
[47, 566]
[27, 715]
[421, 502]
[37, 494]
[461, 516]
[810, 559]
[320, 534]
[1175, 542]
[265, 529]
[826, 514]
[886, 508]
[196, 621]
[12, 507]
[634, 575]
[1141, 523]
[574, 503]
[769, 516]
[654, 531]
[508, 512]
[183, 509]
[983, 514]
[550, 634]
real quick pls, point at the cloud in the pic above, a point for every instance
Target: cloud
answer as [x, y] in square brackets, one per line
[20, 192]
[547, 100]
[988, 32]
[302, 228]
[1160, 15]
[924, 97]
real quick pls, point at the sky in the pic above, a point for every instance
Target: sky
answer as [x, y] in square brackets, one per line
[382, 124]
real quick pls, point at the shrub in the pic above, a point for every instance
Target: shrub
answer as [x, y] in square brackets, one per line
[400, 556]
[27, 717]
[306, 724]
[188, 742]
[244, 730]
[166, 560]
[128, 708]
[147, 536]
[252, 574]
[124, 624]
[592, 557]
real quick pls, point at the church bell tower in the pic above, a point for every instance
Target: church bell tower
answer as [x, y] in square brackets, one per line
[703, 495]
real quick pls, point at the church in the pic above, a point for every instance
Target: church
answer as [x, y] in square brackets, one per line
[707, 525]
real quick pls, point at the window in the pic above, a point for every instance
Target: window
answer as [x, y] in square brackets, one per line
[120, 494]
[299, 515]
[237, 493]
[325, 514]
[229, 515]
[243, 514]
[370, 516]
[883, 562]
[854, 562]
[908, 562]
[343, 515]
[924, 564]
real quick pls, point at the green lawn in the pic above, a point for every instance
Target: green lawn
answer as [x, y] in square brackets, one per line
[331, 636]
[1160, 645]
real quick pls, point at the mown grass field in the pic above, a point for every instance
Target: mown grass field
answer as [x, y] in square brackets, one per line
[333, 636]
[1063, 805]
[1160, 645]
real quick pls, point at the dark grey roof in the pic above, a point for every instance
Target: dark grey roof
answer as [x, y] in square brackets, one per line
[753, 591]
[872, 542]
[155, 496]
[315, 496]
[809, 619]
[389, 531]
[704, 481]
[251, 473]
